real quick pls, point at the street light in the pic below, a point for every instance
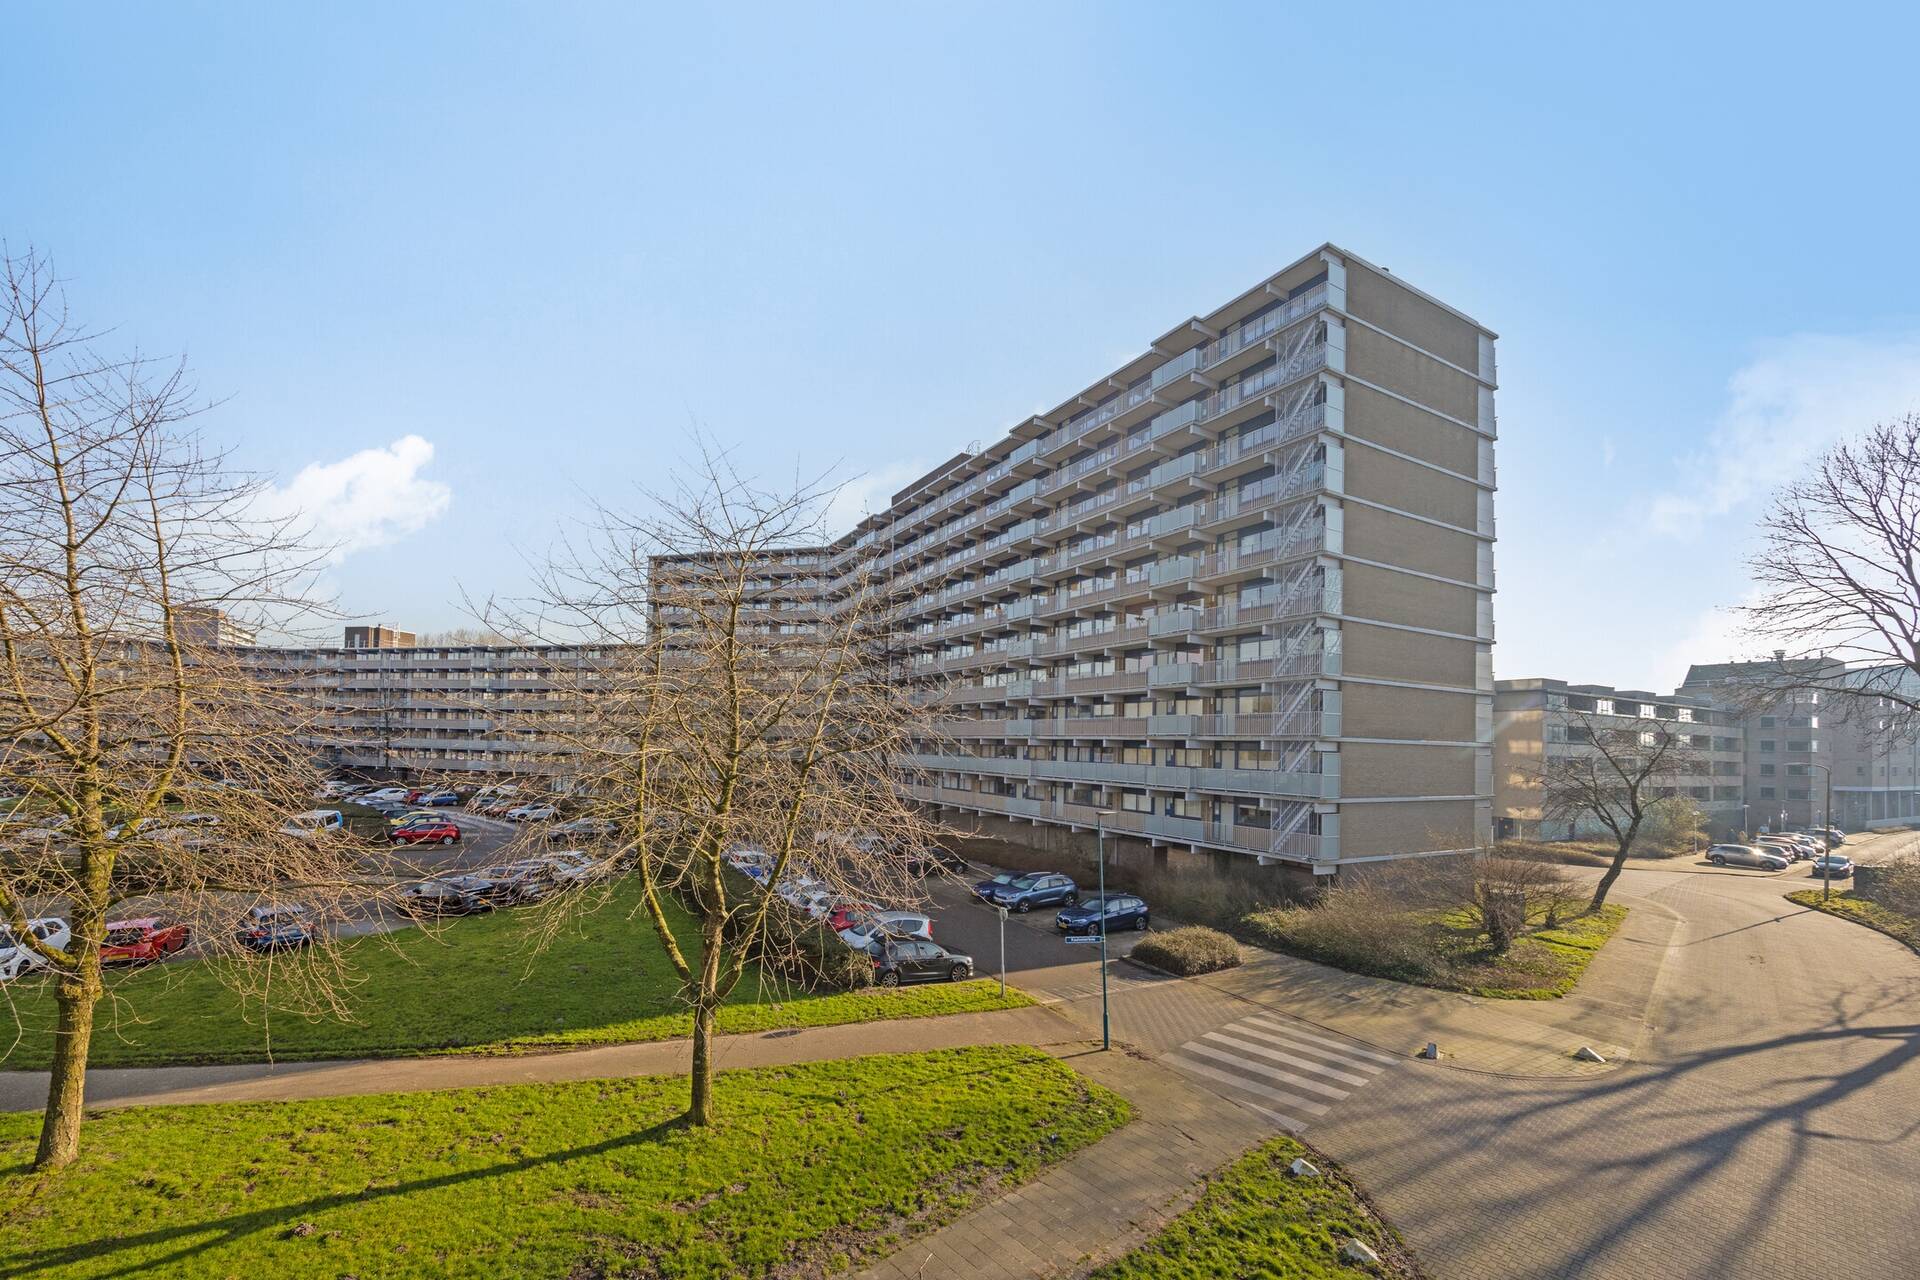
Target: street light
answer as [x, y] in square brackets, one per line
[1100, 843]
[1826, 846]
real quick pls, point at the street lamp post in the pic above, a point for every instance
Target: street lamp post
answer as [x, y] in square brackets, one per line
[1826, 849]
[1100, 844]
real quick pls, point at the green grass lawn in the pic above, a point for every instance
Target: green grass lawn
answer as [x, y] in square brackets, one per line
[1255, 1221]
[1443, 949]
[1850, 906]
[809, 1168]
[476, 986]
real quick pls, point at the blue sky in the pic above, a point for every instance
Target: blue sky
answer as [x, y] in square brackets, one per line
[455, 270]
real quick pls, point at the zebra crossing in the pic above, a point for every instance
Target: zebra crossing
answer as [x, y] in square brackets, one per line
[1285, 1072]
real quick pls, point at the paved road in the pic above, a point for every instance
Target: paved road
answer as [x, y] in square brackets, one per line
[1769, 1125]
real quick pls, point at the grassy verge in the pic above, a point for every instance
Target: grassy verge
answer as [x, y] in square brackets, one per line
[809, 1169]
[1850, 906]
[1254, 1219]
[476, 986]
[1443, 949]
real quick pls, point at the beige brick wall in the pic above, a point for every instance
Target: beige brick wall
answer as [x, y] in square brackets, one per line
[1406, 655]
[1399, 368]
[1395, 539]
[1406, 828]
[1387, 711]
[1518, 746]
[1382, 769]
[1396, 482]
[1411, 430]
[1386, 596]
[1384, 301]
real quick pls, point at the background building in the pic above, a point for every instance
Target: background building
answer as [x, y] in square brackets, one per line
[198, 625]
[378, 636]
[1539, 720]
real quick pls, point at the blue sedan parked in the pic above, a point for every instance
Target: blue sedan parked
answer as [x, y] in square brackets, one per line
[1122, 911]
[1025, 892]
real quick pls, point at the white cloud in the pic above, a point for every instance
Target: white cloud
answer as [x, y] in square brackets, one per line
[368, 499]
[869, 492]
[1795, 399]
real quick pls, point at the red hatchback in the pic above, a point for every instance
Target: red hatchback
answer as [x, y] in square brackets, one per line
[142, 941]
[427, 831]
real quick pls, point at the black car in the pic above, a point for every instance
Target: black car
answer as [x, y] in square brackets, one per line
[1122, 911]
[451, 896]
[898, 960]
[1023, 893]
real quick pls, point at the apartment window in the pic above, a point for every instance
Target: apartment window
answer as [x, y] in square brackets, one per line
[1766, 793]
[1766, 771]
[1768, 744]
[1802, 744]
[1769, 722]
[1796, 793]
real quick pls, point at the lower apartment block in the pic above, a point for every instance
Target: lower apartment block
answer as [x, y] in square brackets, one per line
[1235, 597]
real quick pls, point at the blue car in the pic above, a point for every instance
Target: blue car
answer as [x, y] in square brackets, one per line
[274, 928]
[1023, 893]
[1122, 911]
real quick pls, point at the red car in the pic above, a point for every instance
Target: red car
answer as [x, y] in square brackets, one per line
[847, 914]
[142, 941]
[427, 831]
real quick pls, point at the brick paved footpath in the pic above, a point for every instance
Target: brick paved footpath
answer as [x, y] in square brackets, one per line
[1103, 1201]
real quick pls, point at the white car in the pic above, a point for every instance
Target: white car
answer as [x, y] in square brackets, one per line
[816, 902]
[891, 924]
[16, 959]
[310, 824]
[398, 794]
[570, 866]
[795, 890]
[532, 813]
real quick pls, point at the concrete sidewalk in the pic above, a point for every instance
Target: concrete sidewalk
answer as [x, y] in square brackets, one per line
[250, 1082]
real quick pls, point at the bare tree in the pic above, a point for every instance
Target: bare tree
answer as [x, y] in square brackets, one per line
[1614, 774]
[1839, 575]
[151, 760]
[730, 702]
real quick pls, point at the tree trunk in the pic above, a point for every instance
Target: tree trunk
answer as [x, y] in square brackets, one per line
[1612, 874]
[706, 1000]
[66, 1092]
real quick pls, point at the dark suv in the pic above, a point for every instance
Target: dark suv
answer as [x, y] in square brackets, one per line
[899, 960]
[1036, 889]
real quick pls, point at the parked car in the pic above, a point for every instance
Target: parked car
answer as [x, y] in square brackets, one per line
[274, 927]
[425, 831]
[1832, 866]
[143, 941]
[582, 829]
[408, 817]
[847, 912]
[568, 867]
[861, 934]
[911, 960]
[309, 825]
[1747, 855]
[1121, 911]
[1036, 889]
[513, 884]
[532, 813]
[1832, 836]
[448, 896]
[925, 862]
[16, 958]
[399, 795]
[755, 864]
[437, 799]
[1786, 846]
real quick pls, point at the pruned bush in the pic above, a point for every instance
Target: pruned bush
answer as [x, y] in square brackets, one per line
[1896, 885]
[1188, 951]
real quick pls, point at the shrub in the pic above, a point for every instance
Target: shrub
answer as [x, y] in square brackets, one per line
[1358, 929]
[1895, 884]
[1188, 951]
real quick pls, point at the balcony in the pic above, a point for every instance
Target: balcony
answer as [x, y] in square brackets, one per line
[1251, 336]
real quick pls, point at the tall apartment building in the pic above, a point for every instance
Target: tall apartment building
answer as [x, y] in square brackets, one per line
[1798, 741]
[1541, 720]
[1235, 595]
[202, 625]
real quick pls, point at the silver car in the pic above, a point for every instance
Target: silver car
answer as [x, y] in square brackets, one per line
[1747, 855]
